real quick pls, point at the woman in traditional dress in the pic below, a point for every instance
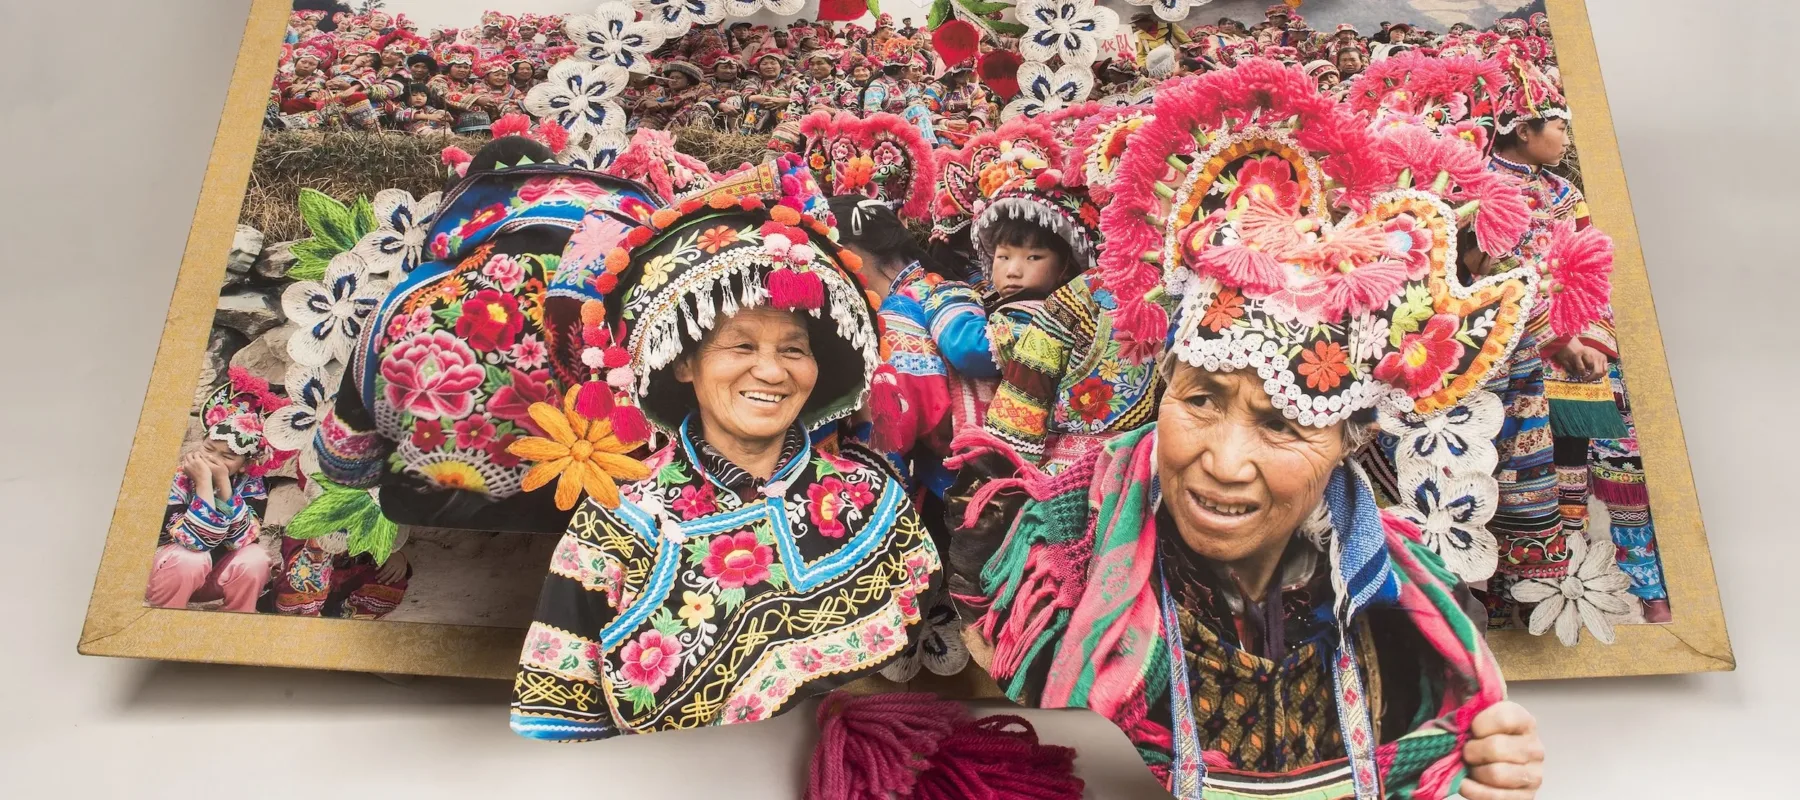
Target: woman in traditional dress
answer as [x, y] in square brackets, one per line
[1219, 583]
[959, 107]
[744, 568]
[725, 91]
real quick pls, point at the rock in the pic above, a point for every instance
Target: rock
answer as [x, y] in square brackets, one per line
[221, 345]
[276, 260]
[245, 247]
[286, 498]
[267, 357]
[251, 312]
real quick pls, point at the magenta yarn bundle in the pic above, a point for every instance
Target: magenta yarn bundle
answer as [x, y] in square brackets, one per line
[918, 746]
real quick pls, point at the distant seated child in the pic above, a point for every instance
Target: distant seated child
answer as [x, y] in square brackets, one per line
[210, 548]
[419, 117]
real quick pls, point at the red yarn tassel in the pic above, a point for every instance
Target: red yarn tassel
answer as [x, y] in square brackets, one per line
[790, 290]
[886, 408]
[629, 424]
[594, 400]
[915, 745]
[1140, 320]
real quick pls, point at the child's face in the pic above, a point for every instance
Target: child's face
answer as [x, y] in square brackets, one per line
[418, 100]
[1020, 269]
[221, 454]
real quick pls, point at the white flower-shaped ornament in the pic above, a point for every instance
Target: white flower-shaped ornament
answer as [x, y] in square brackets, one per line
[309, 391]
[746, 8]
[1452, 515]
[1457, 442]
[676, 17]
[1043, 90]
[331, 312]
[579, 96]
[1170, 10]
[1592, 595]
[613, 36]
[1070, 29]
[397, 244]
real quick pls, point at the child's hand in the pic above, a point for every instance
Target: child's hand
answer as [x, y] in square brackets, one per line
[393, 569]
[198, 468]
[221, 482]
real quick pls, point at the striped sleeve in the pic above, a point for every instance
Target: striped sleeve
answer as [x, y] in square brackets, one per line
[558, 693]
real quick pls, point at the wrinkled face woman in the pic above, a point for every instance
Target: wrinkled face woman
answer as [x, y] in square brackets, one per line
[769, 67]
[860, 74]
[1237, 476]
[751, 375]
[726, 71]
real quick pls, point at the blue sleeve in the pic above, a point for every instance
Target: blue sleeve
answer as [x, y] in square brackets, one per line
[959, 325]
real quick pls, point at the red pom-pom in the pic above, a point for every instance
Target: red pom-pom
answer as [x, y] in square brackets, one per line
[606, 283]
[957, 41]
[638, 237]
[1049, 179]
[593, 335]
[751, 203]
[511, 125]
[790, 290]
[629, 424]
[617, 357]
[594, 400]
[554, 136]
[1144, 323]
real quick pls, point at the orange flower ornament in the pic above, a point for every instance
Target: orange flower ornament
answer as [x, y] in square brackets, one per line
[582, 455]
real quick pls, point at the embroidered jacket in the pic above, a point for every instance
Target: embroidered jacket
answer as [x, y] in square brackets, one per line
[196, 523]
[690, 606]
[1068, 374]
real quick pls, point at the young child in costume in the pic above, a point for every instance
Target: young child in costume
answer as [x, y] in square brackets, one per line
[1067, 382]
[209, 548]
[420, 117]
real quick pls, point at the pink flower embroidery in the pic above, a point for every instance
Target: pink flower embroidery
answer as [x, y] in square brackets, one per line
[1271, 176]
[556, 187]
[544, 647]
[1410, 243]
[474, 432]
[650, 659]
[1423, 358]
[440, 245]
[879, 637]
[748, 708]
[809, 659]
[590, 243]
[432, 375]
[695, 501]
[513, 401]
[737, 560]
[830, 499]
[530, 352]
[505, 271]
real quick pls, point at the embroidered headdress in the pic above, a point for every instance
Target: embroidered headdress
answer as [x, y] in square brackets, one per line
[234, 414]
[460, 54]
[953, 196]
[1531, 94]
[1312, 249]
[1093, 160]
[880, 156]
[1018, 175]
[1450, 94]
[761, 236]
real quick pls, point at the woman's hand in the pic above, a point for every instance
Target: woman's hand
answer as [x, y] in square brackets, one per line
[1504, 755]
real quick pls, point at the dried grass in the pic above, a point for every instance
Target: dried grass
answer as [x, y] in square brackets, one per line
[722, 151]
[342, 165]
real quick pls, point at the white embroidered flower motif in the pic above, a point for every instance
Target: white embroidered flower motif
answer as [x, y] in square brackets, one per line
[1071, 29]
[1368, 338]
[1455, 442]
[1042, 89]
[676, 17]
[1170, 10]
[747, 8]
[309, 391]
[939, 649]
[1592, 595]
[613, 36]
[1452, 515]
[397, 244]
[579, 96]
[597, 153]
[331, 312]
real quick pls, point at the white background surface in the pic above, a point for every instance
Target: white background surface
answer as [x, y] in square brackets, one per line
[107, 117]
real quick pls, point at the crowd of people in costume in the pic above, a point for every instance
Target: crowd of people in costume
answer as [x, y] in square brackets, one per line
[1236, 415]
[380, 72]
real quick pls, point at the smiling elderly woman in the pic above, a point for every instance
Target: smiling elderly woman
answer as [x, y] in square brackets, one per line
[1220, 583]
[752, 568]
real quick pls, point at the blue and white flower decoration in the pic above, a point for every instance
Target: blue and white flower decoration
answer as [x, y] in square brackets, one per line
[1170, 10]
[1043, 90]
[1071, 30]
[397, 244]
[614, 36]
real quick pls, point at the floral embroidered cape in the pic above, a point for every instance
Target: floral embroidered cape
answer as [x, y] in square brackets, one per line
[687, 607]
